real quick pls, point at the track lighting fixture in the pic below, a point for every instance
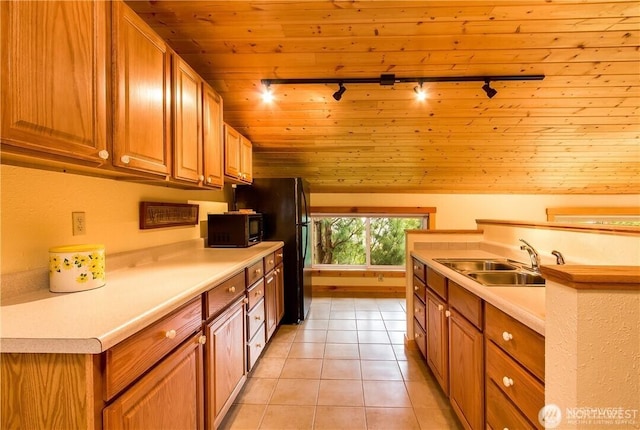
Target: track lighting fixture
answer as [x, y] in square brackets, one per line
[338, 94]
[267, 94]
[421, 94]
[487, 89]
[391, 79]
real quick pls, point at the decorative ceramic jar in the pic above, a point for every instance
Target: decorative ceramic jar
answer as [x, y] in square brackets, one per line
[76, 268]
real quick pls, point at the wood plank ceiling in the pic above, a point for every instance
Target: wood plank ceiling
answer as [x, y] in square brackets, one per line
[577, 131]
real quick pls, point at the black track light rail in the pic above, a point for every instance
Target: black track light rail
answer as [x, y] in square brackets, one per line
[390, 79]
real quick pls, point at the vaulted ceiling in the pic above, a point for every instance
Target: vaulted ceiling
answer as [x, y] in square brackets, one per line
[576, 131]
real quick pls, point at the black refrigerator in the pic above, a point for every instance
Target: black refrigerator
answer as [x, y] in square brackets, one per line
[284, 203]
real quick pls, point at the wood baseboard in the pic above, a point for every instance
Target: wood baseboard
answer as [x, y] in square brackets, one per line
[373, 289]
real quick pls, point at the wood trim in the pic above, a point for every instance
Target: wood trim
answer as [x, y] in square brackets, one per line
[588, 228]
[553, 212]
[392, 291]
[594, 277]
[480, 232]
[365, 210]
[358, 273]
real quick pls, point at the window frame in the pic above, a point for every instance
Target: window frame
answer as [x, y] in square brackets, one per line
[426, 213]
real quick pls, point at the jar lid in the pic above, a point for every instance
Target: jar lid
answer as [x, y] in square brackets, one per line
[77, 248]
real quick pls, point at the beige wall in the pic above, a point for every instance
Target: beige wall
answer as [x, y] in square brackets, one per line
[37, 206]
[460, 211]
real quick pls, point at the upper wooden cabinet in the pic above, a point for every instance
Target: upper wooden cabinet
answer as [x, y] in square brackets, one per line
[237, 156]
[212, 137]
[54, 89]
[142, 95]
[187, 123]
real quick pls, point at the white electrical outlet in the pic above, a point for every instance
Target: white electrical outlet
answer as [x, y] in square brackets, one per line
[79, 223]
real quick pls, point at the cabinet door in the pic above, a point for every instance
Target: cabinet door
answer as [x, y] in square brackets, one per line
[187, 123]
[225, 362]
[168, 397]
[246, 159]
[466, 377]
[438, 340]
[142, 95]
[280, 292]
[231, 152]
[54, 79]
[212, 137]
[271, 300]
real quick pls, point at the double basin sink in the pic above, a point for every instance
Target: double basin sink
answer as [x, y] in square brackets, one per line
[494, 272]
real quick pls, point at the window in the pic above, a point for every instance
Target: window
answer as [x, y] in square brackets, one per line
[362, 241]
[612, 216]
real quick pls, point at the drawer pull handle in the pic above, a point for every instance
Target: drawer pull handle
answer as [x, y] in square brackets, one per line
[418, 335]
[280, 255]
[232, 289]
[270, 280]
[507, 336]
[258, 345]
[258, 293]
[415, 267]
[202, 340]
[447, 314]
[507, 382]
[440, 308]
[170, 334]
[257, 317]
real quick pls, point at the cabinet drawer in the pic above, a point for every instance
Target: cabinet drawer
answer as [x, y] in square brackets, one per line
[420, 337]
[254, 319]
[129, 359]
[466, 303]
[255, 294]
[418, 269]
[437, 283]
[255, 272]
[501, 413]
[525, 391]
[279, 254]
[269, 262]
[419, 312]
[222, 295]
[518, 340]
[256, 346]
[420, 289]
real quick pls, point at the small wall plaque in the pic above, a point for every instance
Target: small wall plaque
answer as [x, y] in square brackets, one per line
[158, 215]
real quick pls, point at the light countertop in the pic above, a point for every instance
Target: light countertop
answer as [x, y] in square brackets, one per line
[90, 322]
[525, 304]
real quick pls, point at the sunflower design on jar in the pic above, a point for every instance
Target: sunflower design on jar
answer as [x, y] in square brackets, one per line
[76, 268]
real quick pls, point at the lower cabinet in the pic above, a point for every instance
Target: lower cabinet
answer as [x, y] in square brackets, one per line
[168, 397]
[438, 340]
[466, 377]
[224, 361]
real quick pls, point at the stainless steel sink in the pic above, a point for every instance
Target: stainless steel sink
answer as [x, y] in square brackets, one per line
[492, 272]
[468, 265]
[507, 278]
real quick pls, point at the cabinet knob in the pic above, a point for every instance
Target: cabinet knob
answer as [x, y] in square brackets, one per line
[440, 308]
[232, 289]
[258, 293]
[507, 382]
[170, 334]
[125, 159]
[447, 314]
[271, 261]
[257, 317]
[209, 180]
[201, 178]
[416, 310]
[245, 300]
[104, 154]
[202, 340]
[258, 271]
[415, 288]
[258, 345]
[507, 336]
[418, 335]
[415, 268]
[280, 255]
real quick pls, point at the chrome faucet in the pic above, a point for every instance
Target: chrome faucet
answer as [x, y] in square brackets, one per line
[533, 255]
[559, 257]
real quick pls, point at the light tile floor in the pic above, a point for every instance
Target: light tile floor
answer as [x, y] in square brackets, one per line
[345, 367]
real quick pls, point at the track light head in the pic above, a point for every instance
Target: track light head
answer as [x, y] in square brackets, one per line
[421, 94]
[487, 89]
[338, 94]
[267, 94]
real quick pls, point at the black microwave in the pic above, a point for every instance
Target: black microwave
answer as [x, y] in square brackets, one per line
[234, 230]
